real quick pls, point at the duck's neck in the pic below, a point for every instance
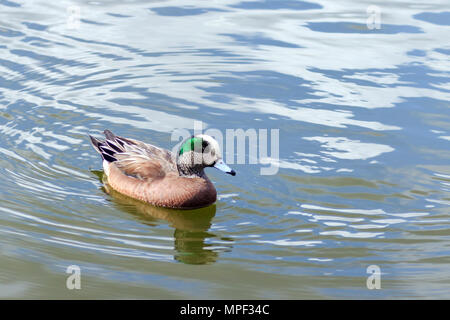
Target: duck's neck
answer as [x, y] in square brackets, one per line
[190, 164]
[191, 171]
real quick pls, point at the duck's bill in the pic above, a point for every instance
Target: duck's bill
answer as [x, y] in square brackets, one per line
[223, 167]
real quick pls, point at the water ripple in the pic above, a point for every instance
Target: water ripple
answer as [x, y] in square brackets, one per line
[363, 164]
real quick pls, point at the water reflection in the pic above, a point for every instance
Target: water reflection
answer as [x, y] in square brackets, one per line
[190, 226]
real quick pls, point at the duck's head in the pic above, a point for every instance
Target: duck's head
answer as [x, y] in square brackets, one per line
[198, 152]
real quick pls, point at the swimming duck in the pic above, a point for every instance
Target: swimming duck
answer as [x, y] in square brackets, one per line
[157, 176]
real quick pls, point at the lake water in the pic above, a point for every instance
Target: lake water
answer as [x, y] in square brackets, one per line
[364, 147]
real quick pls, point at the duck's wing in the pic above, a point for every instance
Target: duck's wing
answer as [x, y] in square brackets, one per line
[135, 158]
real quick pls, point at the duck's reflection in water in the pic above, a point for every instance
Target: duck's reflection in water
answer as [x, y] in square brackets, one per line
[191, 226]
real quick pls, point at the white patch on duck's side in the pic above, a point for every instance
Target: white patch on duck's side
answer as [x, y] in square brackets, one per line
[106, 167]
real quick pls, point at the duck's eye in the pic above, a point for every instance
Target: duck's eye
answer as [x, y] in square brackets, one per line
[213, 152]
[204, 145]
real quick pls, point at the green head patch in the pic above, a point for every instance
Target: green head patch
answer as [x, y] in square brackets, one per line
[193, 144]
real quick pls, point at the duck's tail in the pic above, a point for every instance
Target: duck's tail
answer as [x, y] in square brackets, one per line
[109, 147]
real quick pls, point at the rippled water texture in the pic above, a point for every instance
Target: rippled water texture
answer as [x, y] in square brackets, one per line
[364, 162]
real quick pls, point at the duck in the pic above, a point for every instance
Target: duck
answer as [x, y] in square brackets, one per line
[158, 176]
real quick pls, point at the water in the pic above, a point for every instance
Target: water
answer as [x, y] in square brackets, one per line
[364, 122]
